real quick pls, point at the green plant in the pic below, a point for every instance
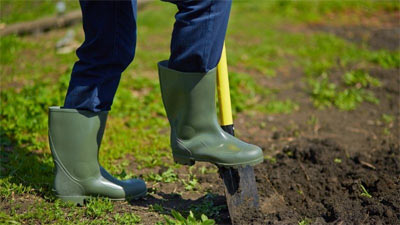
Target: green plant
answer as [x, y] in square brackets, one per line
[337, 160]
[313, 120]
[271, 159]
[348, 99]
[167, 176]
[7, 219]
[157, 208]
[207, 207]
[386, 59]
[322, 91]
[191, 183]
[388, 119]
[360, 78]
[326, 94]
[190, 220]
[365, 192]
[305, 221]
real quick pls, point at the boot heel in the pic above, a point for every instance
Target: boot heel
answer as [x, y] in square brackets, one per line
[78, 200]
[183, 160]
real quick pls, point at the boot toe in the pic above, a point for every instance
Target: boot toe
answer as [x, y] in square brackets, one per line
[132, 188]
[135, 188]
[237, 153]
[251, 154]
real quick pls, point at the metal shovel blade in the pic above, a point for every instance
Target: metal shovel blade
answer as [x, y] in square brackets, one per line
[240, 189]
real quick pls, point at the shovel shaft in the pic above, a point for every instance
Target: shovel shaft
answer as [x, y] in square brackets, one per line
[224, 97]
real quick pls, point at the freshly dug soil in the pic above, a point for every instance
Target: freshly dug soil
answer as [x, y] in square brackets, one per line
[316, 181]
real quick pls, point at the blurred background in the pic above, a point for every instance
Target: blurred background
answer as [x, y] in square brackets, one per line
[298, 69]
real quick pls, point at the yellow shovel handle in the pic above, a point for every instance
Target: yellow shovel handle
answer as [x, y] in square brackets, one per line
[224, 97]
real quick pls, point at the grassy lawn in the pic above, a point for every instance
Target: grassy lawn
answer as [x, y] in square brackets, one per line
[264, 39]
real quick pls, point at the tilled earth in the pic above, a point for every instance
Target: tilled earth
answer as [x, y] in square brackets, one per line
[316, 179]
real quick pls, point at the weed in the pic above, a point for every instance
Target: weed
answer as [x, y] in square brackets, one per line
[168, 176]
[289, 153]
[388, 119]
[365, 192]
[322, 91]
[360, 78]
[207, 207]
[123, 175]
[386, 131]
[271, 159]
[158, 208]
[388, 122]
[204, 170]
[337, 160]
[190, 220]
[305, 221]
[191, 183]
[348, 99]
[386, 59]
[313, 120]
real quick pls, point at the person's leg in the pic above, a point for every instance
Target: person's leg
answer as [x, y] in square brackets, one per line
[187, 83]
[76, 130]
[109, 47]
[199, 33]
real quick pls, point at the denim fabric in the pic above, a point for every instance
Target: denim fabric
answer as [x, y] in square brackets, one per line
[110, 40]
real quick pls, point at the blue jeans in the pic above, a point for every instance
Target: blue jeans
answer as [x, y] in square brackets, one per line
[110, 40]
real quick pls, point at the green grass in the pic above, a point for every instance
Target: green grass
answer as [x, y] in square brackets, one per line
[20, 11]
[352, 92]
[34, 77]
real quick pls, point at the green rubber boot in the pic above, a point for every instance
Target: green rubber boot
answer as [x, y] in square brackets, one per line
[189, 100]
[75, 137]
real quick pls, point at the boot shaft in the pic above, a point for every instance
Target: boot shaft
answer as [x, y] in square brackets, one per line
[189, 100]
[75, 137]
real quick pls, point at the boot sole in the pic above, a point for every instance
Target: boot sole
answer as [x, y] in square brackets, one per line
[191, 161]
[80, 200]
